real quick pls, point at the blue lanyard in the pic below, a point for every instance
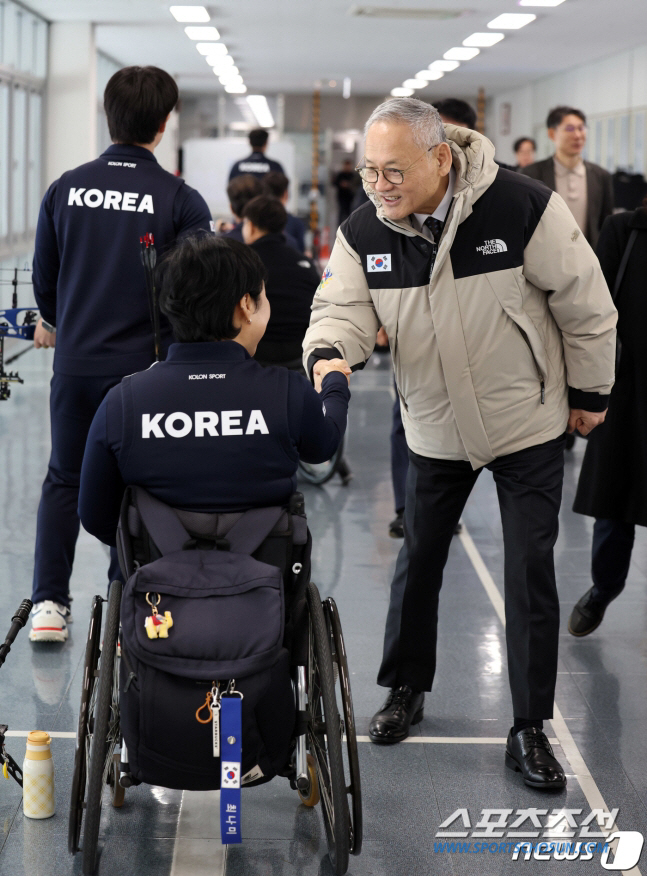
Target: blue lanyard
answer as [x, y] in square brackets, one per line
[231, 729]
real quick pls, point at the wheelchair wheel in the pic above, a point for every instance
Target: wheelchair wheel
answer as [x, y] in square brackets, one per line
[77, 801]
[321, 473]
[344, 697]
[105, 735]
[325, 736]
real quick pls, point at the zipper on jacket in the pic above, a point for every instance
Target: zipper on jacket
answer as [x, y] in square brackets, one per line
[542, 384]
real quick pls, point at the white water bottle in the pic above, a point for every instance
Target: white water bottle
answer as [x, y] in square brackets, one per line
[38, 777]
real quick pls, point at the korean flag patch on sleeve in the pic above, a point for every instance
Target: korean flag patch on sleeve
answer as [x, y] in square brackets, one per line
[378, 262]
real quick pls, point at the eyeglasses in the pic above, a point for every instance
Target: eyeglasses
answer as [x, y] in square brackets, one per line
[395, 177]
[571, 129]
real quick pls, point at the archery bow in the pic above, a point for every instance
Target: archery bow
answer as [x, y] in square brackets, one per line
[15, 322]
[149, 260]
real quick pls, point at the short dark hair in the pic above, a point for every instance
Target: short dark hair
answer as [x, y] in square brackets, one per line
[266, 213]
[275, 183]
[556, 115]
[241, 190]
[518, 143]
[137, 101]
[458, 111]
[202, 280]
[258, 138]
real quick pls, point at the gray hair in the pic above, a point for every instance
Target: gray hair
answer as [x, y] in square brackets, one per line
[423, 119]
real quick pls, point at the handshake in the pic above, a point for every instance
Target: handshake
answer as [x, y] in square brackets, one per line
[325, 366]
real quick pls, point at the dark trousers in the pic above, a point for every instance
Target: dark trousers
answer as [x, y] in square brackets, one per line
[73, 404]
[613, 541]
[399, 457]
[529, 487]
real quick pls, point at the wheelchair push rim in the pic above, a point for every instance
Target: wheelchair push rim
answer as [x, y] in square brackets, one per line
[324, 736]
[106, 733]
[342, 684]
[79, 776]
[320, 473]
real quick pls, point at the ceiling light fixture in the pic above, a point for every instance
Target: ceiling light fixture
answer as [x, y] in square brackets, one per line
[212, 50]
[235, 89]
[230, 78]
[444, 66]
[511, 21]
[414, 83]
[202, 33]
[261, 109]
[346, 88]
[401, 92]
[221, 64]
[190, 13]
[540, 2]
[483, 40]
[429, 75]
[458, 53]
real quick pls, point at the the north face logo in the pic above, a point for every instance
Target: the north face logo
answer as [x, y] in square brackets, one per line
[492, 246]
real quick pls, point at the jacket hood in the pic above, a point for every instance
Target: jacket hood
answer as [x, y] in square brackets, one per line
[473, 161]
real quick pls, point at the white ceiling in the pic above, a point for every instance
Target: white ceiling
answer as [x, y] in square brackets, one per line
[286, 45]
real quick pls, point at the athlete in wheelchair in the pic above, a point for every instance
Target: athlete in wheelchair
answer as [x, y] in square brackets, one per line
[219, 634]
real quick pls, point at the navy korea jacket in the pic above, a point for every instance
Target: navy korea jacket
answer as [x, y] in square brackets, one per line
[89, 279]
[208, 430]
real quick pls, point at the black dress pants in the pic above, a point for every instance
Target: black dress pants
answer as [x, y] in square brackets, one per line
[529, 487]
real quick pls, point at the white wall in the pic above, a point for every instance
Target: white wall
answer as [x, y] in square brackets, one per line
[608, 91]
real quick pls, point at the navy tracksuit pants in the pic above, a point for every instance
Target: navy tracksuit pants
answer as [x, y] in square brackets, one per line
[399, 456]
[73, 404]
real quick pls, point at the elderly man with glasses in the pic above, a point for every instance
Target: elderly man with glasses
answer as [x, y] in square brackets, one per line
[502, 330]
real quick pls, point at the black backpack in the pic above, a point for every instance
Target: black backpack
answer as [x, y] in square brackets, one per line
[205, 615]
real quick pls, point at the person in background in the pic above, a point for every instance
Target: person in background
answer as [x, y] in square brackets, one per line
[258, 164]
[276, 184]
[586, 187]
[292, 281]
[344, 182]
[454, 111]
[524, 152]
[613, 481]
[240, 191]
[90, 287]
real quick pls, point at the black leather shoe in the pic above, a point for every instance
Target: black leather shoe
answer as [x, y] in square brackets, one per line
[403, 707]
[396, 526]
[529, 752]
[587, 615]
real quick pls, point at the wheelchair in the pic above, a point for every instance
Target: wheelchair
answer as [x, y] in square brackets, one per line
[323, 765]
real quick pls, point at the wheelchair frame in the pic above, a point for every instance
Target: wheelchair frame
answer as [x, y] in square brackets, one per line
[321, 768]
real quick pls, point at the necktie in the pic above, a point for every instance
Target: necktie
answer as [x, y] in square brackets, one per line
[435, 226]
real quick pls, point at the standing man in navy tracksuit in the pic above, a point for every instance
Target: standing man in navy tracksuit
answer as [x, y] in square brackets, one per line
[89, 283]
[257, 163]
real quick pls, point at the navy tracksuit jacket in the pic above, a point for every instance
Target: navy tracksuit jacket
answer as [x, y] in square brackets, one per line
[209, 429]
[89, 282]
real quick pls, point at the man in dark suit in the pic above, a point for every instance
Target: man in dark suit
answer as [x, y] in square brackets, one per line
[586, 187]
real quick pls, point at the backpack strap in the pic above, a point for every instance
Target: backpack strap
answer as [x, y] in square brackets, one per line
[623, 264]
[250, 531]
[161, 522]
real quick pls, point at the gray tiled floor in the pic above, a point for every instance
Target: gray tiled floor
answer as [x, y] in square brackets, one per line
[408, 790]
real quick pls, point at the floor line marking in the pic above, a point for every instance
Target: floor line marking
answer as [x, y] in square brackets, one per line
[196, 851]
[54, 734]
[455, 740]
[565, 739]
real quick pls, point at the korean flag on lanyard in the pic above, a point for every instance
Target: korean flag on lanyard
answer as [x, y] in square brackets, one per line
[378, 262]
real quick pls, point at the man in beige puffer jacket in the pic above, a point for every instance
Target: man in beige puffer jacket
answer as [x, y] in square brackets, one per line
[502, 331]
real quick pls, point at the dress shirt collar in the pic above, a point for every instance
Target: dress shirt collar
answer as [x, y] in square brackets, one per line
[442, 209]
[562, 170]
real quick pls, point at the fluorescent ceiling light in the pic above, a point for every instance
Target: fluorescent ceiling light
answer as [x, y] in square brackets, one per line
[235, 89]
[511, 20]
[401, 92]
[483, 39]
[202, 33]
[261, 109]
[540, 2]
[430, 75]
[414, 83]
[211, 48]
[221, 64]
[444, 66]
[230, 77]
[460, 54]
[190, 13]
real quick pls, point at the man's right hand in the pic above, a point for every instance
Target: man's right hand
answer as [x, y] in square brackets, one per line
[43, 338]
[325, 366]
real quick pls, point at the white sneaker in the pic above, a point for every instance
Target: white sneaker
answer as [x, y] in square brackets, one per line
[49, 622]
